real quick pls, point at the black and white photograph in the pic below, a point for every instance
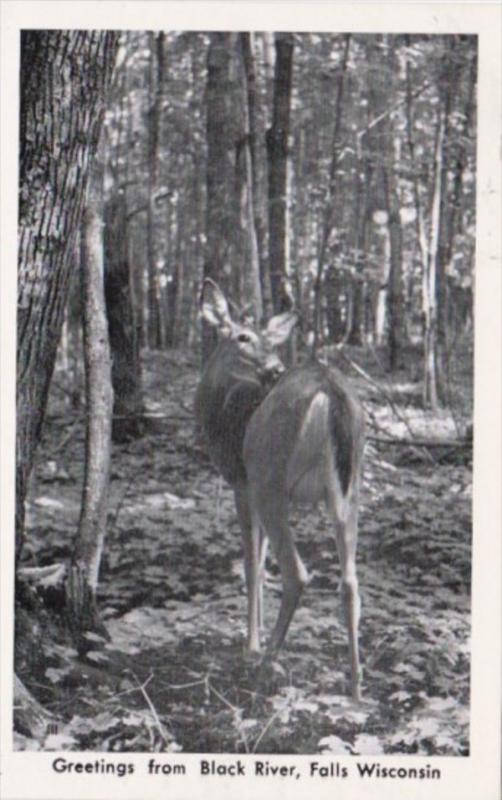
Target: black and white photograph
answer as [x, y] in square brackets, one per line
[252, 266]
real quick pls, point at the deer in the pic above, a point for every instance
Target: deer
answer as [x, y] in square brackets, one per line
[281, 437]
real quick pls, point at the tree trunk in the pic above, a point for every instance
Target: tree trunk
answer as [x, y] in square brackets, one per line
[458, 174]
[83, 579]
[333, 288]
[251, 277]
[327, 224]
[430, 279]
[122, 327]
[454, 313]
[175, 283]
[395, 294]
[64, 77]
[389, 311]
[256, 175]
[135, 262]
[447, 89]
[155, 95]
[277, 155]
[420, 227]
[356, 331]
[381, 304]
[220, 170]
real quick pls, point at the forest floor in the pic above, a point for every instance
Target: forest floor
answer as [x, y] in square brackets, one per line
[173, 676]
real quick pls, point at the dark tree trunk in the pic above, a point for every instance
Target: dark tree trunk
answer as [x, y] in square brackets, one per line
[277, 153]
[333, 288]
[64, 77]
[174, 289]
[395, 294]
[122, 327]
[395, 298]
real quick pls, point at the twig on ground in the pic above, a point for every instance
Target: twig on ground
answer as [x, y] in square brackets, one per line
[268, 724]
[165, 735]
[236, 712]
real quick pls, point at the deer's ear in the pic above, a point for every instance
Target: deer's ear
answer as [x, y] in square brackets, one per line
[214, 307]
[279, 328]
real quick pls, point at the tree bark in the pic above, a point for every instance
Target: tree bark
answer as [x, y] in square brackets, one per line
[397, 326]
[83, 580]
[389, 306]
[327, 224]
[430, 280]
[246, 186]
[448, 85]
[356, 330]
[256, 174]
[175, 283]
[277, 156]
[64, 77]
[458, 161]
[220, 170]
[122, 326]
[395, 295]
[155, 99]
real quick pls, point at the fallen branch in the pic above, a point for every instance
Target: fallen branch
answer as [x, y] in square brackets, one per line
[420, 442]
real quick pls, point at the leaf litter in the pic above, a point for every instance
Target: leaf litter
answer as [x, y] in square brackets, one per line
[173, 597]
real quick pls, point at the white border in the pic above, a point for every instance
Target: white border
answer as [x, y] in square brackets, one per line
[29, 775]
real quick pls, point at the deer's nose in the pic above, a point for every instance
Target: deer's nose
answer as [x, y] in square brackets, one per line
[273, 367]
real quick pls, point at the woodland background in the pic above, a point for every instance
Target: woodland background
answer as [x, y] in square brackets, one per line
[330, 173]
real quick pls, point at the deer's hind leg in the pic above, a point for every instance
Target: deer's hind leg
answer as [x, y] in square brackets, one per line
[344, 516]
[273, 515]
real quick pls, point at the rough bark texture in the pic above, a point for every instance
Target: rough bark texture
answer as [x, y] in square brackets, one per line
[64, 76]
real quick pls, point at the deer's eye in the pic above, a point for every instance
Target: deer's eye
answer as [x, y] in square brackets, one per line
[244, 337]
